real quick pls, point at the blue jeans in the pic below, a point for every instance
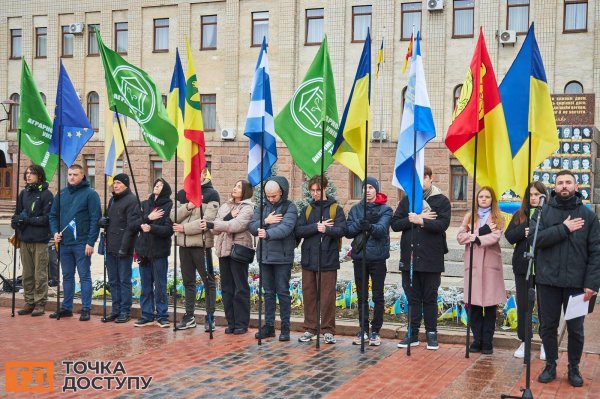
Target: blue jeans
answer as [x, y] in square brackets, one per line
[153, 274]
[119, 281]
[73, 257]
[276, 279]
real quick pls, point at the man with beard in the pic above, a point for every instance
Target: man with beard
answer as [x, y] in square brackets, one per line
[568, 263]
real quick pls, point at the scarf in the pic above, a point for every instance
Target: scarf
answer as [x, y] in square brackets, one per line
[484, 214]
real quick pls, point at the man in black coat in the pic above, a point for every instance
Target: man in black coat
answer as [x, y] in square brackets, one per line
[124, 219]
[32, 228]
[568, 263]
[427, 231]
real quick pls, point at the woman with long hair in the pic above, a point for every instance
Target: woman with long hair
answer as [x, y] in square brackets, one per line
[516, 234]
[488, 281]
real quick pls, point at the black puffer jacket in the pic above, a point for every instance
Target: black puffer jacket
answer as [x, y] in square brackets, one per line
[124, 223]
[515, 234]
[430, 239]
[565, 259]
[307, 229]
[157, 242]
[33, 207]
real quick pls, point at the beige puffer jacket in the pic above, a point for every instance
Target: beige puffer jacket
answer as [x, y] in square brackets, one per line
[190, 219]
[235, 230]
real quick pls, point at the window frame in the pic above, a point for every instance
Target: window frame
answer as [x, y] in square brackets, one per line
[402, 12]
[202, 102]
[13, 112]
[452, 176]
[13, 37]
[116, 32]
[575, 2]
[89, 161]
[43, 96]
[153, 169]
[155, 29]
[455, 97]
[573, 82]
[509, 6]
[307, 20]
[90, 103]
[202, 25]
[92, 39]
[252, 44]
[354, 15]
[352, 186]
[454, 10]
[64, 32]
[38, 35]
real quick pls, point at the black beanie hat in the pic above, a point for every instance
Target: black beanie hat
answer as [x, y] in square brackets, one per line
[123, 178]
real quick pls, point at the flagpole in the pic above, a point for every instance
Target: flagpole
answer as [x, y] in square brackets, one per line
[127, 156]
[320, 257]
[209, 272]
[175, 253]
[57, 244]
[412, 241]
[14, 285]
[103, 242]
[380, 115]
[262, 225]
[365, 286]
[473, 199]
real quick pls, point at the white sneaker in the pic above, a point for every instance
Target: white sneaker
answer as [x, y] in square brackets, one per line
[542, 353]
[520, 352]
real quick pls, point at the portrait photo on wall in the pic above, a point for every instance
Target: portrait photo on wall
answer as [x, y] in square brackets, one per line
[586, 132]
[547, 164]
[565, 163]
[586, 163]
[565, 147]
[576, 148]
[585, 179]
[553, 177]
[576, 163]
[585, 194]
[577, 178]
[556, 163]
[576, 133]
[566, 132]
[586, 148]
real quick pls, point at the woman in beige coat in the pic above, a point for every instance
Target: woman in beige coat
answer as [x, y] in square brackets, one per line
[231, 227]
[488, 280]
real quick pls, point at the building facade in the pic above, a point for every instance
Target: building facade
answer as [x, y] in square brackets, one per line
[225, 40]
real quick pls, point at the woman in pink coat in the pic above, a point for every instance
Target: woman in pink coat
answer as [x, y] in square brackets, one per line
[488, 279]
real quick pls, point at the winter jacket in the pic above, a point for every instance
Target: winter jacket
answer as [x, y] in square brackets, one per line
[429, 239]
[515, 234]
[33, 207]
[378, 239]
[190, 219]
[81, 204]
[229, 230]
[307, 230]
[278, 247]
[157, 242]
[488, 273]
[564, 258]
[124, 222]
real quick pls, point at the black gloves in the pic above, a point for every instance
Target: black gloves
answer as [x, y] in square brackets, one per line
[18, 220]
[103, 222]
[365, 225]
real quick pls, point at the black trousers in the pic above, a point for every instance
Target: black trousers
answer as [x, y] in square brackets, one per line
[521, 299]
[236, 292]
[377, 271]
[553, 298]
[483, 324]
[192, 260]
[422, 299]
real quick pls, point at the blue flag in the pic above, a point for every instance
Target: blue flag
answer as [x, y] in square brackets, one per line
[71, 125]
[259, 123]
[417, 119]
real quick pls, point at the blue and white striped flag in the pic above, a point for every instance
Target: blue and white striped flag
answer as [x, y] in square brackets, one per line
[260, 122]
[416, 119]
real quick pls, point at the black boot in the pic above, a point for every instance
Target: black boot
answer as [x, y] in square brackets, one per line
[549, 373]
[575, 378]
[266, 331]
[285, 333]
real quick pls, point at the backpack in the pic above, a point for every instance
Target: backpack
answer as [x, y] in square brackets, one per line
[332, 213]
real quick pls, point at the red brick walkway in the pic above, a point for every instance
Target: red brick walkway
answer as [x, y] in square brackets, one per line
[186, 364]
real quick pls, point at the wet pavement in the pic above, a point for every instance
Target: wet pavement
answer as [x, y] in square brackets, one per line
[187, 364]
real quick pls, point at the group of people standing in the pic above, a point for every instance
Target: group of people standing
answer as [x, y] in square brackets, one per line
[568, 255]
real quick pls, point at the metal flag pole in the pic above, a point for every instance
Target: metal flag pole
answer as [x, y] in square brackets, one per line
[57, 244]
[14, 283]
[128, 160]
[175, 253]
[473, 199]
[320, 257]
[412, 242]
[262, 225]
[103, 243]
[210, 274]
[381, 86]
[365, 285]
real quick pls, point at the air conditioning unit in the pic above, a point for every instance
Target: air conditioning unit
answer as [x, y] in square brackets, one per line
[76, 27]
[378, 135]
[507, 37]
[227, 134]
[435, 5]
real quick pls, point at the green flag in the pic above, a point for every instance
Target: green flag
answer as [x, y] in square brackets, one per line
[132, 92]
[35, 125]
[299, 124]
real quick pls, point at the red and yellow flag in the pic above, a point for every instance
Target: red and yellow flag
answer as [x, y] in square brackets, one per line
[408, 55]
[194, 133]
[479, 113]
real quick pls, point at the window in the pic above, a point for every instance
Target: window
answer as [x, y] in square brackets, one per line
[67, 42]
[121, 37]
[161, 35]
[13, 112]
[208, 32]
[92, 42]
[361, 23]
[90, 170]
[41, 42]
[574, 87]
[156, 168]
[260, 28]
[209, 111]
[459, 179]
[456, 96]
[93, 109]
[119, 166]
[463, 18]
[517, 16]
[403, 97]
[16, 43]
[575, 19]
[43, 97]
[165, 99]
[411, 19]
[356, 188]
[314, 26]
